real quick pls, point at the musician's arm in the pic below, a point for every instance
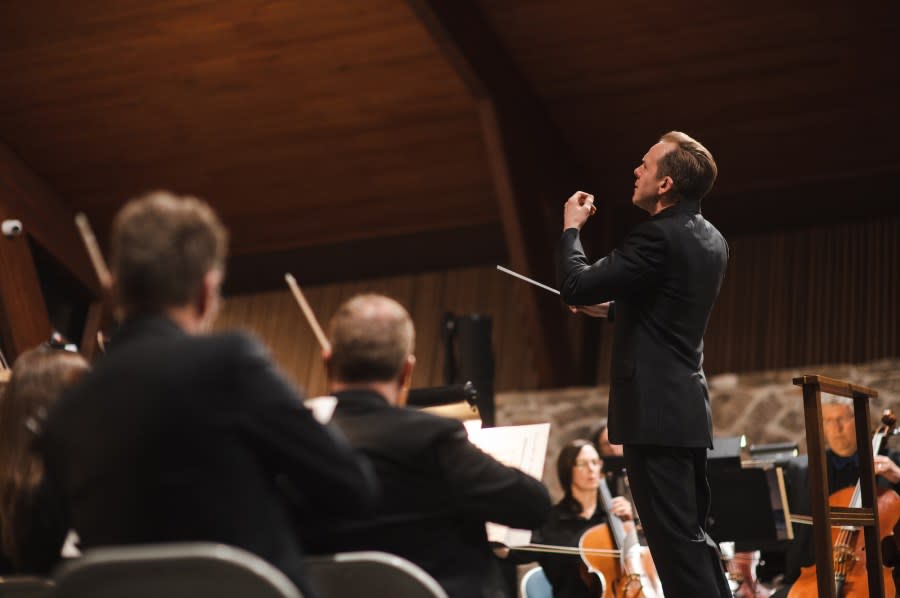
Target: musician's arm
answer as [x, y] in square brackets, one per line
[483, 487]
[888, 469]
[315, 465]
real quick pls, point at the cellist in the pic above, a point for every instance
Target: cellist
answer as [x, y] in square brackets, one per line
[579, 469]
[843, 472]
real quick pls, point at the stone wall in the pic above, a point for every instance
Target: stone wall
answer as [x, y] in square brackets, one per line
[765, 406]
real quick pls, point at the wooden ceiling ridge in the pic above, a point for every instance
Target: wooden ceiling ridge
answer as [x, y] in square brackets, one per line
[532, 167]
[48, 222]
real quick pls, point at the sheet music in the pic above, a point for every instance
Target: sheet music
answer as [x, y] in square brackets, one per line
[522, 447]
[322, 408]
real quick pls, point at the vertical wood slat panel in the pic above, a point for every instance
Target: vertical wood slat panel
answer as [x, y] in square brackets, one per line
[789, 299]
[277, 321]
[808, 297]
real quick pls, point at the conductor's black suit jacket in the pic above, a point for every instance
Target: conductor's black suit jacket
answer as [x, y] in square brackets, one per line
[663, 280]
[175, 437]
[438, 492]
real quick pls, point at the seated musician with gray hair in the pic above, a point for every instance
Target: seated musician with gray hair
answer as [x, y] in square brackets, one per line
[438, 488]
[842, 461]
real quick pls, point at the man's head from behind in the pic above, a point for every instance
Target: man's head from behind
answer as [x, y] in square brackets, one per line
[372, 340]
[168, 253]
[690, 165]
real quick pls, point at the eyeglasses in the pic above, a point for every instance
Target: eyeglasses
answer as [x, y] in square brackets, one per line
[588, 464]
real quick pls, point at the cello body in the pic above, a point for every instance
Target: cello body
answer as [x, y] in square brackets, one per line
[856, 584]
[633, 574]
[607, 569]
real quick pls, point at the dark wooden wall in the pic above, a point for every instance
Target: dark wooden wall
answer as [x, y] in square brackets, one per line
[276, 319]
[825, 295]
[818, 296]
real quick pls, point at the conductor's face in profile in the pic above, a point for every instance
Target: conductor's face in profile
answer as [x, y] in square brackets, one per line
[837, 423]
[649, 187]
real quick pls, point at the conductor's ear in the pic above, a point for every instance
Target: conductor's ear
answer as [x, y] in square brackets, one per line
[666, 184]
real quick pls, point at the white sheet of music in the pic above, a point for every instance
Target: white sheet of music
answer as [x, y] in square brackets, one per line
[522, 447]
[322, 408]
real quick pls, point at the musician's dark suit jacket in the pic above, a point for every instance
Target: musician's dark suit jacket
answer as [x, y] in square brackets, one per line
[664, 280]
[438, 491]
[174, 437]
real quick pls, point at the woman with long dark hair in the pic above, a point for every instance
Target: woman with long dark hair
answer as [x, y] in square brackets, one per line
[32, 527]
[579, 468]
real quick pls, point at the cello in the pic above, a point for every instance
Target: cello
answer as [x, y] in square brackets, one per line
[633, 574]
[605, 570]
[850, 575]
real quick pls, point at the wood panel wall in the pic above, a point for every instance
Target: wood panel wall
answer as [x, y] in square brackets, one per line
[277, 320]
[827, 295]
[818, 296]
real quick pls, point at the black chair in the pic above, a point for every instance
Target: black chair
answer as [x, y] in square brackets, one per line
[24, 586]
[535, 584]
[184, 570]
[370, 574]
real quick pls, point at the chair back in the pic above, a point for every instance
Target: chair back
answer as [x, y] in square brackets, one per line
[371, 574]
[24, 586]
[535, 584]
[182, 570]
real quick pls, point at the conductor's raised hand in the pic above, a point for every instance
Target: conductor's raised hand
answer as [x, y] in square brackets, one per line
[578, 209]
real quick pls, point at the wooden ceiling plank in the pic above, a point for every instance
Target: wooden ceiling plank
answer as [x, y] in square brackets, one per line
[531, 165]
[429, 250]
[24, 321]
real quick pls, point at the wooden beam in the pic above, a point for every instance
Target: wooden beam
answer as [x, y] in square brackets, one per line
[24, 322]
[47, 220]
[98, 315]
[533, 168]
[544, 317]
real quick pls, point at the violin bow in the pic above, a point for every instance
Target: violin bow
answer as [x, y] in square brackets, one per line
[103, 275]
[308, 312]
[93, 249]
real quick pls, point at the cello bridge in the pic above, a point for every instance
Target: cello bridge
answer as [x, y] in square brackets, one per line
[844, 559]
[630, 585]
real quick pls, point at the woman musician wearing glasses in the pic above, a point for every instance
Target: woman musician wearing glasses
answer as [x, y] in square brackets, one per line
[576, 544]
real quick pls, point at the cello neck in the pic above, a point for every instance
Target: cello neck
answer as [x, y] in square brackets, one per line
[877, 444]
[616, 527]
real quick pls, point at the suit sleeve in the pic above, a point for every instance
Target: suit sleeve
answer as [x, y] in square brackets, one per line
[484, 488]
[315, 465]
[637, 264]
[894, 456]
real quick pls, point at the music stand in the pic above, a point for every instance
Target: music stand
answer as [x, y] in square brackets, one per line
[749, 506]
